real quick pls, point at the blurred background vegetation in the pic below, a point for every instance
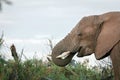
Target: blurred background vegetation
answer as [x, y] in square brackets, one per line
[7, 2]
[36, 69]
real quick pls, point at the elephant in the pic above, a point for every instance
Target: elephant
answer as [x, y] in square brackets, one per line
[94, 34]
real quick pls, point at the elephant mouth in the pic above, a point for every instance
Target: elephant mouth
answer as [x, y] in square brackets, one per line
[79, 53]
[82, 51]
[64, 55]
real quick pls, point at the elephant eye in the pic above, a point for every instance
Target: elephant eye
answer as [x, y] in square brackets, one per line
[79, 34]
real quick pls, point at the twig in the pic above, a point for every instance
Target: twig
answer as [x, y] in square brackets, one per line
[72, 72]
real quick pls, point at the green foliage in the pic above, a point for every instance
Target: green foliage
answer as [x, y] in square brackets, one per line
[37, 70]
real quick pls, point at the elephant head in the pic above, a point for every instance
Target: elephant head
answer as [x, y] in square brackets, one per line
[93, 34]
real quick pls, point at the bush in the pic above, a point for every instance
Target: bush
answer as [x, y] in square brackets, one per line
[37, 70]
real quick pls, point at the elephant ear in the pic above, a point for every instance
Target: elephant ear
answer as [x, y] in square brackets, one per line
[107, 38]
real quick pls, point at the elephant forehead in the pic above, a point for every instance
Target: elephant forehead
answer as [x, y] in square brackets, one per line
[88, 29]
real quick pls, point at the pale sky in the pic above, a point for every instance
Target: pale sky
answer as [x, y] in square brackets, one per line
[29, 23]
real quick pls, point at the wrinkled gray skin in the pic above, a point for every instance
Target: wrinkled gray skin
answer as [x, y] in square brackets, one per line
[99, 34]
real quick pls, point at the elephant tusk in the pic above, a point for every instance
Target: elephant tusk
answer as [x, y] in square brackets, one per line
[64, 55]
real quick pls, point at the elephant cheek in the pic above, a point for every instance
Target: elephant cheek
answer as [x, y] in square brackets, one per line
[88, 51]
[84, 52]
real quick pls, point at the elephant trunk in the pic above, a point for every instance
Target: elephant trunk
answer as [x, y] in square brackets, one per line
[58, 50]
